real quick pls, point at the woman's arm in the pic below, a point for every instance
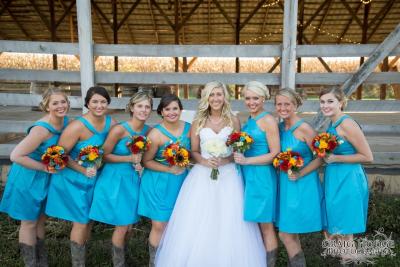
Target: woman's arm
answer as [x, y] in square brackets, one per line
[29, 144]
[352, 132]
[269, 125]
[149, 156]
[116, 133]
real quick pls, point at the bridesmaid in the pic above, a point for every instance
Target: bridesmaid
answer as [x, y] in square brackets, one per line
[300, 196]
[27, 184]
[259, 174]
[161, 183]
[71, 190]
[345, 182]
[116, 194]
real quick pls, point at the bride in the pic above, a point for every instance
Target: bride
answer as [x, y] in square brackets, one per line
[206, 227]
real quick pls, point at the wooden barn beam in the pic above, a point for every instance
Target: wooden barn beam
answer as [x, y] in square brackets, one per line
[320, 59]
[383, 87]
[382, 14]
[67, 11]
[237, 42]
[316, 32]
[346, 28]
[154, 22]
[162, 13]
[209, 21]
[5, 5]
[315, 14]
[84, 16]
[363, 41]
[252, 13]
[276, 64]
[351, 84]
[393, 62]
[41, 16]
[187, 17]
[98, 9]
[191, 62]
[288, 60]
[127, 24]
[115, 40]
[354, 15]
[176, 16]
[53, 30]
[264, 21]
[126, 16]
[223, 12]
[300, 32]
[182, 33]
[98, 22]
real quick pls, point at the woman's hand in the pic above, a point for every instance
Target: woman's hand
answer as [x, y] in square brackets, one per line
[50, 171]
[213, 162]
[239, 158]
[294, 176]
[176, 170]
[91, 171]
[136, 158]
[330, 158]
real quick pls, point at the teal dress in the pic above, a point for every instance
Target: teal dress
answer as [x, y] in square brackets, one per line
[71, 192]
[116, 194]
[26, 190]
[300, 201]
[346, 191]
[260, 180]
[159, 190]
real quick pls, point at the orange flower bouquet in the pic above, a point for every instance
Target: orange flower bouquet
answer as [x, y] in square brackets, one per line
[239, 141]
[288, 161]
[176, 155]
[325, 143]
[55, 158]
[91, 156]
[138, 144]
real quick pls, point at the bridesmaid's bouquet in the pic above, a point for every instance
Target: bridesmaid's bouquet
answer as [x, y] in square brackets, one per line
[55, 158]
[91, 156]
[176, 155]
[138, 144]
[325, 143]
[216, 148]
[239, 141]
[288, 161]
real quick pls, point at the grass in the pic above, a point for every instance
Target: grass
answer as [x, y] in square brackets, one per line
[383, 213]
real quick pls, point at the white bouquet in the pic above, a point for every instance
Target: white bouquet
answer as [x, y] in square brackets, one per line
[216, 148]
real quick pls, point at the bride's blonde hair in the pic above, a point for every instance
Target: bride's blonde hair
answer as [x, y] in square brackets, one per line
[203, 111]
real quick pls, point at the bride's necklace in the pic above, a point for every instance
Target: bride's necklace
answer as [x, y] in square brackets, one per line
[215, 122]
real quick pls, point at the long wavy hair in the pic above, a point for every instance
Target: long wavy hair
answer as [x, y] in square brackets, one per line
[203, 111]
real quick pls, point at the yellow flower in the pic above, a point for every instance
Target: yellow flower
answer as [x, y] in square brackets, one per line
[323, 144]
[248, 139]
[140, 144]
[292, 162]
[92, 156]
[169, 152]
[184, 152]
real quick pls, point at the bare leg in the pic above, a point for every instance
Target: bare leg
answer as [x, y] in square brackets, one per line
[157, 229]
[270, 242]
[79, 236]
[293, 248]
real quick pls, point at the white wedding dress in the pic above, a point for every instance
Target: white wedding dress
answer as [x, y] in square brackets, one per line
[206, 228]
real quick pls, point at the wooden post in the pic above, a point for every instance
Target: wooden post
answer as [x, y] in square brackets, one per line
[300, 32]
[383, 89]
[288, 63]
[185, 69]
[237, 42]
[84, 16]
[115, 39]
[351, 84]
[363, 41]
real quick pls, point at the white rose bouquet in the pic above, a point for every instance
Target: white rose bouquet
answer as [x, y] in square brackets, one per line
[216, 148]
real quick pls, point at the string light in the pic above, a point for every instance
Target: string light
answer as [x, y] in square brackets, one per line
[274, 3]
[252, 40]
[366, 2]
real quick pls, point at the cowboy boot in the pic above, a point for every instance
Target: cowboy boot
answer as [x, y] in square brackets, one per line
[28, 254]
[78, 253]
[118, 256]
[298, 260]
[152, 255]
[272, 257]
[41, 253]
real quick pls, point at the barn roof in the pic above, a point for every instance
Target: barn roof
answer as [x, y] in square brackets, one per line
[200, 21]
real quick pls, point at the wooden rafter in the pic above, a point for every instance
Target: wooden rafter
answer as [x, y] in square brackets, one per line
[162, 13]
[4, 6]
[209, 21]
[223, 12]
[300, 31]
[276, 64]
[354, 15]
[264, 21]
[154, 22]
[126, 15]
[393, 62]
[67, 11]
[187, 17]
[127, 24]
[314, 15]
[384, 11]
[252, 13]
[98, 9]
[346, 28]
[191, 62]
[182, 31]
[41, 16]
[17, 22]
[98, 22]
[316, 32]
[320, 59]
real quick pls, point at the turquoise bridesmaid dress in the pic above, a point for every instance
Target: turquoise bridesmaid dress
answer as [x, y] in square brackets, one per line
[71, 192]
[159, 190]
[300, 201]
[346, 191]
[26, 190]
[260, 180]
[116, 194]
